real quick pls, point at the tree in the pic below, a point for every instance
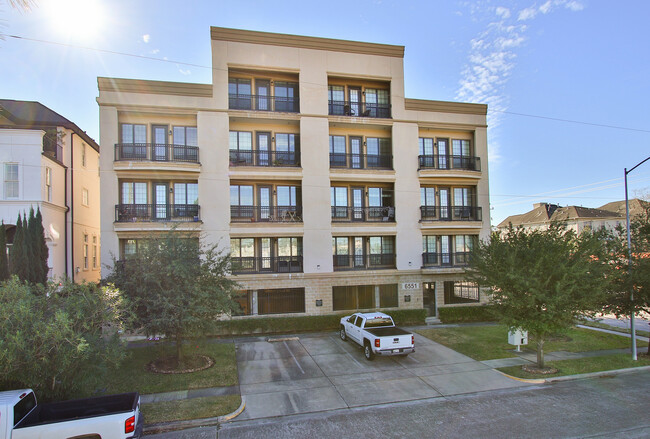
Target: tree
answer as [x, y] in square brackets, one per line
[179, 287]
[4, 262]
[37, 247]
[19, 257]
[53, 338]
[542, 281]
[632, 270]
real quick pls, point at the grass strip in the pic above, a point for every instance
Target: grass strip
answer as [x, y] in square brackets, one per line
[491, 342]
[582, 365]
[133, 375]
[184, 409]
[600, 325]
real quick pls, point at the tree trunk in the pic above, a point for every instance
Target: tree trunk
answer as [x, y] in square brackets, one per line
[540, 352]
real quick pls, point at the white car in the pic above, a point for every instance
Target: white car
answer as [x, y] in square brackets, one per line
[377, 334]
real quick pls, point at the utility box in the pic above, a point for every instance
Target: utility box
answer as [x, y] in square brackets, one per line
[518, 337]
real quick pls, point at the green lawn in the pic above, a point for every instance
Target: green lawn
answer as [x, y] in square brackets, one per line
[196, 408]
[582, 365]
[134, 376]
[617, 329]
[491, 342]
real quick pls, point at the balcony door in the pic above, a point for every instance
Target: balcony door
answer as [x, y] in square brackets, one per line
[263, 93]
[359, 259]
[264, 196]
[160, 196]
[159, 136]
[443, 153]
[357, 204]
[263, 149]
[445, 214]
[445, 250]
[355, 101]
[356, 160]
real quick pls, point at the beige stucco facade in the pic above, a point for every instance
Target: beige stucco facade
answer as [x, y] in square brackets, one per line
[285, 87]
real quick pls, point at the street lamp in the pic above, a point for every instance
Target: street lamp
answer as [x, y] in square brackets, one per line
[629, 252]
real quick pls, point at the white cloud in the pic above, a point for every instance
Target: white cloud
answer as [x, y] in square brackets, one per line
[146, 38]
[185, 72]
[492, 57]
[155, 51]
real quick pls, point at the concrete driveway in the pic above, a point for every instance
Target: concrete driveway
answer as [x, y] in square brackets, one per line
[319, 372]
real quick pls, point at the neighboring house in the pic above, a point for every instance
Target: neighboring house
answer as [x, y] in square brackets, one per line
[331, 191]
[577, 218]
[49, 163]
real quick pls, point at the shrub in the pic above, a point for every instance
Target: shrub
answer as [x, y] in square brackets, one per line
[466, 314]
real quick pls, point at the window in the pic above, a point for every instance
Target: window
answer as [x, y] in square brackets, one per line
[242, 247]
[11, 182]
[239, 93]
[85, 251]
[184, 137]
[461, 153]
[287, 300]
[428, 201]
[377, 102]
[339, 201]
[353, 297]
[287, 196]
[134, 141]
[465, 244]
[289, 247]
[285, 148]
[337, 151]
[388, 296]
[186, 193]
[134, 192]
[336, 98]
[461, 292]
[241, 201]
[286, 96]
[382, 249]
[94, 252]
[378, 152]
[48, 183]
[241, 147]
[84, 196]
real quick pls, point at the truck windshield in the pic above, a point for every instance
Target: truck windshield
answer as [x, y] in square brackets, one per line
[23, 407]
[378, 322]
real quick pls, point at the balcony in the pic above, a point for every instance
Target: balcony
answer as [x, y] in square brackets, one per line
[361, 161]
[451, 213]
[364, 262]
[449, 259]
[156, 212]
[271, 214]
[465, 163]
[363, 214]
[153, 152]
[358, 109]
[278, 104]
[265, 158]
[276, 264]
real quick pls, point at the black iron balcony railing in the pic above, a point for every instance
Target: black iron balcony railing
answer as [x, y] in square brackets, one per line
[264, 103]
[449, 259]
[361, 161]
[451, 213]
[273, 214]
[275, 264]
[449, 162]
[368, 214]
[156, 152]
[364, 262]
[358, 109]
[264, 158]
[156, 212]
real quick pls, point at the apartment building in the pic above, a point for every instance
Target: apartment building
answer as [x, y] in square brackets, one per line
[49, 163]
[305, 161]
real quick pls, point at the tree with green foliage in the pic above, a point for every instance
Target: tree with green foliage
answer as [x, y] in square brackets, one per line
[54, 339]
[632, 270]
[178, 287]
[542, 281]
[19, 257]
[4, 262]
[37, 248]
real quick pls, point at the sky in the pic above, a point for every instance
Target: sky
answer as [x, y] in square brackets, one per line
[566, 81]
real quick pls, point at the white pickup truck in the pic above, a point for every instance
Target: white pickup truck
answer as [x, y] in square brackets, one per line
[377, 333]
[102, 417]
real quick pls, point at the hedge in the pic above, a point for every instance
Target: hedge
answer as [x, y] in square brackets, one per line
[284, 325]
[464, 314]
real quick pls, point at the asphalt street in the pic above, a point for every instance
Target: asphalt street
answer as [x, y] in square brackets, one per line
[608, 407]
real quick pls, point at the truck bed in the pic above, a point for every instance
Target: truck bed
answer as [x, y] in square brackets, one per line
[80, 408]
[387, 332]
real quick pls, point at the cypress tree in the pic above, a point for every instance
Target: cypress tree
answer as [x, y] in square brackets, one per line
[32, 248]
[19, 259]
[43, 252]
[4, 263]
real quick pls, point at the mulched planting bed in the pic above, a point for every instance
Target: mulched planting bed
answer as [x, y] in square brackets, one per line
[170, 365]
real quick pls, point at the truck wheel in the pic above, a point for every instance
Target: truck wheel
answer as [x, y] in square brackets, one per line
[342, 333]
[367, 352]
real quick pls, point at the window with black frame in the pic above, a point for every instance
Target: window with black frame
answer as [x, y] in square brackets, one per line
[286, 97]
[239, 94]
[286, 147]
[461, 292]
[133, 141]
[338, 158]
[241, 148]
[336, 99]
[241, 201]
[185, 144]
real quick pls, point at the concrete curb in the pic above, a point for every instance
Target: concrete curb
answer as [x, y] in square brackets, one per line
[164, 427]
[601, 374]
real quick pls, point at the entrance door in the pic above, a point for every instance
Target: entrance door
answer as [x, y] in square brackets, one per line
[263, 93]
[160, 197]
[264, 197]
[159, 136]
[355, 101]
[429, 298]
[357, 204]
[445, 214]
[263, 149]
[355, 153]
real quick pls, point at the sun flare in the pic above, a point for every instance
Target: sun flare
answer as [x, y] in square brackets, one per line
[81, 20]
